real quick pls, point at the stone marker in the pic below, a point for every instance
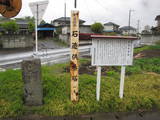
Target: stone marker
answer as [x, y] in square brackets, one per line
[31, 74]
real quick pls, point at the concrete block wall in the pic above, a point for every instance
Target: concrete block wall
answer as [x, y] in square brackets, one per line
[16, 41]
[149, 39]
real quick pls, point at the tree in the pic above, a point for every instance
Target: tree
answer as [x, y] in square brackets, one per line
[29, 19]
[10, 26]
[97, 27]
[31, 26]
[43, 22]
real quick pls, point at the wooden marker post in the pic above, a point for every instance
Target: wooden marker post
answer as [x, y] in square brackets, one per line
[74, 55]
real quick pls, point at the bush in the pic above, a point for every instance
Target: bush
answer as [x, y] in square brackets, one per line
[158, 42]
[97, 28]
[113, 74]
[11, 27]
[31, 26]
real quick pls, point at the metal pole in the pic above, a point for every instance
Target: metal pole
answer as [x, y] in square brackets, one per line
[122, 82]
[98, 83]
[65, 13]
[138, 26]
[129, 21]
[36, 24]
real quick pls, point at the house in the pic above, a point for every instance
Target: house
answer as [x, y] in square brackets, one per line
[20, 39]
[156, 30]
[128, 30]
[111, 27]
[83, 29]
[158, 20]
[45, 30]
[64, 21]
[23, 25]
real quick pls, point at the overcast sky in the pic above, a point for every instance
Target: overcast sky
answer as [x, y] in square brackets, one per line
[102, 11]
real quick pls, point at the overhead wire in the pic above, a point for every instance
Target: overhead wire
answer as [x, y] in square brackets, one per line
[106, 9]
[89, 11]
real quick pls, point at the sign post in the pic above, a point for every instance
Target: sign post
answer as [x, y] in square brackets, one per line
[122, 81]
[74, 55]
[112, 51]
[38, 10]
[98, 83]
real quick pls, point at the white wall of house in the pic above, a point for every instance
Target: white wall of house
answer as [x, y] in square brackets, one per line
[83, 29]
[65, 30]
[125, 32]
[108, 28]
[56, 23]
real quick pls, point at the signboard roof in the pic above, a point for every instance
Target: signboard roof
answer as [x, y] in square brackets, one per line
[114, 37]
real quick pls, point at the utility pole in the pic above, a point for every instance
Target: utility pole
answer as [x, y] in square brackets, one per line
[138, 26]
[65, 12]
[75, 4]
[129, 21]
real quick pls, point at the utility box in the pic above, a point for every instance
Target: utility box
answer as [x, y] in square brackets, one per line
[112, 50]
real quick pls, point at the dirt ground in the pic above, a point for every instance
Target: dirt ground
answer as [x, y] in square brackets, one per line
[148, 54]
[91, 70]
[152, 115]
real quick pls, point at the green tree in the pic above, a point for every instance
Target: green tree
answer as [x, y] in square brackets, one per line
[29, 19]
[31, 26]
[43, 22]
[97, 27]
[10, 26]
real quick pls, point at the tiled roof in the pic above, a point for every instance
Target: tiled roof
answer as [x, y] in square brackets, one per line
[62, 19]
[111, 23]
[157, 17]
[127, 28]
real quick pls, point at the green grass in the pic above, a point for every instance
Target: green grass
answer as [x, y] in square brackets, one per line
[142, 86]
[144, 65]
[152, 47]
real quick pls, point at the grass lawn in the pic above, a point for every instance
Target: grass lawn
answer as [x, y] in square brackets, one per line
[141, 93]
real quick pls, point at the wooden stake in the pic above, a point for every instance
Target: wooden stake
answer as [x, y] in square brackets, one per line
[74, 55]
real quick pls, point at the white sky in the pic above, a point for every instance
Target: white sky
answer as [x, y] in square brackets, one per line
[102, 11]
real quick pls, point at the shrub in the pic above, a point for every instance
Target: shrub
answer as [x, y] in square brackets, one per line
[10, 26]
[97, 28]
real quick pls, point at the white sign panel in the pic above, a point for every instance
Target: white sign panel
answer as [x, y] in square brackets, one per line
[38, 9]
[112, 52]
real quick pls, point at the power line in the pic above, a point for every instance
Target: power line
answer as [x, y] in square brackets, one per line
[106, 9]
[90, 13]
